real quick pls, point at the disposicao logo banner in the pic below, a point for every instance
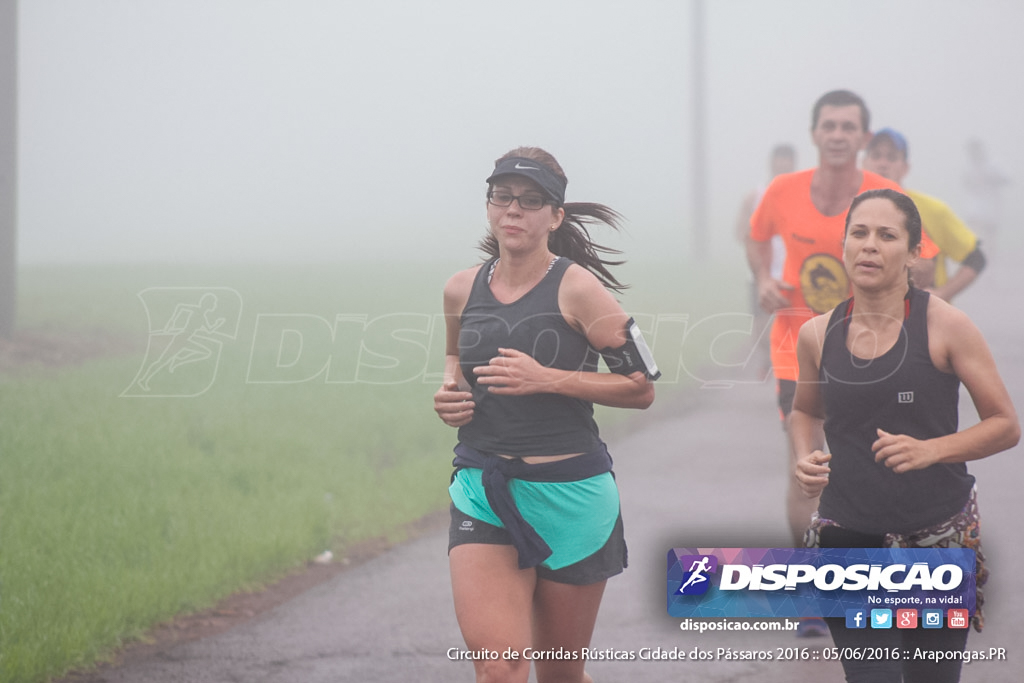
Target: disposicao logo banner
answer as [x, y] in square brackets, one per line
[816, 582]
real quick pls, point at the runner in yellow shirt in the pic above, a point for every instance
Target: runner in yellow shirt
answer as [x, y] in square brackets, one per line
[887, 156]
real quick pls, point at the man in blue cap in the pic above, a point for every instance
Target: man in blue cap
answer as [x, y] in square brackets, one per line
[887, 156]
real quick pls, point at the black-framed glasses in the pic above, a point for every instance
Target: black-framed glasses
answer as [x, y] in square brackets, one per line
[527, 202]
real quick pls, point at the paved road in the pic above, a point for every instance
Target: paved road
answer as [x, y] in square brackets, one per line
[709, 473]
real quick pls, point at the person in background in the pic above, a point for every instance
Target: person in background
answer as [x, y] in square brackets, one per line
[984, 183]
[887, 154]
[536, 528]
[879, 382]
[782, 160]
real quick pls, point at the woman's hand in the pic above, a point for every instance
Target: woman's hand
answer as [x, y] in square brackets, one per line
[902, 453]
[812, 473]
[453, 405]
[513, 373]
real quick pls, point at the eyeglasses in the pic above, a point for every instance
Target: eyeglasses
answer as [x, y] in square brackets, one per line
[527, 202]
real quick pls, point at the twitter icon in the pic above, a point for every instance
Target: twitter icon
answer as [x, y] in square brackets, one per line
[881, 618]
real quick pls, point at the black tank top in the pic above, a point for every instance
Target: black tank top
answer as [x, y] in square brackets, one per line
[901, 392]
[537, 424]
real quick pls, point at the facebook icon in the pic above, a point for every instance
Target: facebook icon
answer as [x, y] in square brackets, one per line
[856, 618]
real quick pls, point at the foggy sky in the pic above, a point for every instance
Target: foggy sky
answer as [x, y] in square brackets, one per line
[241, 131]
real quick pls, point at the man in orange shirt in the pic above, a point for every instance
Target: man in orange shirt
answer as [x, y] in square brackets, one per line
[808, 209]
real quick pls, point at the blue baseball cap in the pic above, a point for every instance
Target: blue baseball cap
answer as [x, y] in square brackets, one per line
[552, 185]
[893, 136]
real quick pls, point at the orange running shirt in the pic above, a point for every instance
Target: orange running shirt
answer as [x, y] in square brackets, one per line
[814, 257]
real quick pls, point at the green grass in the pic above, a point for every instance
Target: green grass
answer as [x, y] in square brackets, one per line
[119, 510]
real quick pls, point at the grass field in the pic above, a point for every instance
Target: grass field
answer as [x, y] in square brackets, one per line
[302, 423]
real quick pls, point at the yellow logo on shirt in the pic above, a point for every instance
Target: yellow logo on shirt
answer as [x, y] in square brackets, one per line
[823, 282]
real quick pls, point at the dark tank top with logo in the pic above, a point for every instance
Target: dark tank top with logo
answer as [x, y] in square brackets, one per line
[536, 424]
[901, 392]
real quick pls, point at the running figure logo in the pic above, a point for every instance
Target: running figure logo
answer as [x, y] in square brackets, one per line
[696, 580]
[187, 330]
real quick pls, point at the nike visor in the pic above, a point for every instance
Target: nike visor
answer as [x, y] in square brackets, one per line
[551, 184]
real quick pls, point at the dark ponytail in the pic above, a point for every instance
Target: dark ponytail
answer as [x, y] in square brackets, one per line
[572, 238]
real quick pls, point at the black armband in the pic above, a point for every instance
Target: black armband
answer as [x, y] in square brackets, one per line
[633, 356]
[975, 260]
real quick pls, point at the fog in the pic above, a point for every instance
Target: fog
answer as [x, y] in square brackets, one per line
[239, 131]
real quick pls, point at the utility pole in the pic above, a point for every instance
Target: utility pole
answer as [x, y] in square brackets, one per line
[8, 164]
[699, 165]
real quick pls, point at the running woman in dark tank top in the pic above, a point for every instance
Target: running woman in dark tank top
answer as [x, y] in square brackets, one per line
[536, 529]
[879, 382]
